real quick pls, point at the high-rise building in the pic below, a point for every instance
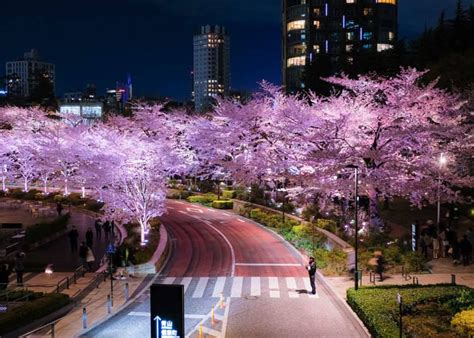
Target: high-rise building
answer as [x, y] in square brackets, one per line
[30, 76]
[332, 33]
[211, 73]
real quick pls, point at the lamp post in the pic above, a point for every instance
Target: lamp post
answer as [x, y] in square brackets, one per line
[442, 162]
[356, 224]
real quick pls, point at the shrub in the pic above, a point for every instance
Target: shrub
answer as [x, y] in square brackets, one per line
[17, 193]
[30, 311]
[222, 204]
[31, 194]
[228, 194]
[60, 198]
[464, 301]
[414, 261]
[74, 198]
[40, 231]
[327, 224]
[93, 205]
[40, 196]
[463, 323]
[203, 199]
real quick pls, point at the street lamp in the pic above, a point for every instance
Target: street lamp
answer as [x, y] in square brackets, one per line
[356, 223]
[442, 162]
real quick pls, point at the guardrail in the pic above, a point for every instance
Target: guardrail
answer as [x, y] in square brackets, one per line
[49, 329]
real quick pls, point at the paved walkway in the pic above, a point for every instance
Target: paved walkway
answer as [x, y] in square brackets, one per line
[58, 252]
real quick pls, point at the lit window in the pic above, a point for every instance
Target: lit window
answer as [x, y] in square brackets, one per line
[350, 1]
[390, 2]
[383, 46]
[317, 11]
[317, 49]
[391, 36]
[350, 36]
[296, 61]
[299, 24]
[367, 11]
[349, 48]
[317, 24]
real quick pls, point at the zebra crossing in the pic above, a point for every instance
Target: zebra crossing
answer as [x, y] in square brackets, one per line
[241, 287]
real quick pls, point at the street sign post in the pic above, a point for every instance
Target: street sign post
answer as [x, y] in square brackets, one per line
[167, 311]
[400, 303]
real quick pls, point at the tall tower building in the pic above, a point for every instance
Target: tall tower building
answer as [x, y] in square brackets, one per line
[26, 75]
[331, 33]
[211, 72]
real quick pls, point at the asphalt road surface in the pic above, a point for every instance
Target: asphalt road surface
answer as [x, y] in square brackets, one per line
[240, 280]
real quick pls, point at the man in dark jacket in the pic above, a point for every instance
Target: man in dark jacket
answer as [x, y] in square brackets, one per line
[83, 253]
[73, 235]
[89, 237]
[312, 274]
[465, 247]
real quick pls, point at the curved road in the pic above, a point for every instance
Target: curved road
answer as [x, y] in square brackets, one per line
[262, 279]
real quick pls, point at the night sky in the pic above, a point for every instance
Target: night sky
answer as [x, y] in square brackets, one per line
[99, 41]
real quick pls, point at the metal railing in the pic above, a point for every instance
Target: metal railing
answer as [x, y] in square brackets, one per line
[48, 329]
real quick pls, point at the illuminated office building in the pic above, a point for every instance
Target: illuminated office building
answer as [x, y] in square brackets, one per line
[211, 66]
[336, 31]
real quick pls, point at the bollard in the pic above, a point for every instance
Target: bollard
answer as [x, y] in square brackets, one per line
[84, 318]
[222, 301]
[109, 305]
[415, 280]
[212, 316]
[126, 291]
[200, 330]
[52, 330]
[453, 279]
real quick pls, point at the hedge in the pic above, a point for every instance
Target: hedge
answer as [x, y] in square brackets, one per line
[222, 204]
[228, 194]
[31, 311]
[203, 199]
[39, 231]
[377, 306]
[463, 323]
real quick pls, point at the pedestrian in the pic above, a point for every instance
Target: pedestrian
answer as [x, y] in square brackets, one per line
[444, 243]
[423, 244]
[90, 259]
[465, 248]
[98, 229]
[4, 274]
[73, 235]
[59, 208]
[83, 254]
[380, 267]
[19, 268]
[89, 237]
[455, 251]
[312, 274]
[435, 241]
[107, 229]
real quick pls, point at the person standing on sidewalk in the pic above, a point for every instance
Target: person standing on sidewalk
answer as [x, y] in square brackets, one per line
[107, 229]
[59, 208]
[73, 235]
[83, 253]
[19, 268]
[98, 229]
[436, 241]
[312, 274]
[89, 237]
[380, 268]
[90, 259]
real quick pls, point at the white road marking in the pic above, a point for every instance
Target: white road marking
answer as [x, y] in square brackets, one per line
[147, 314]
[171, 208]
[186, 281]
[274, 287]
[201, 286]
[194, 210]
[183, 212]
[211, 332]
[240, 220]
[194, 316]
[291, 285]
[219, 287]
[255, 286]
[266, 264]
[236, 291]
[169, 280]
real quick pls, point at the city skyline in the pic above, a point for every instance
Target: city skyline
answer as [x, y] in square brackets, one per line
[101, 43]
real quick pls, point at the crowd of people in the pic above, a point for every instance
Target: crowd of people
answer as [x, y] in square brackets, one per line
[86, 253]
[447, 243]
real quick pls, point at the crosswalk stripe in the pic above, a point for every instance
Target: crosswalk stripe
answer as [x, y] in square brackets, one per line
[201, 286]
[169, 280]
[274, 287]
[236, 291]
[291, 285]
[186, 281]
[219, 287]
[255, 286]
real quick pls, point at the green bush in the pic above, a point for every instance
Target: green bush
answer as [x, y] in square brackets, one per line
[222, 204]
[74, 198]
[93, 205]
[327, 224]
[20, 295]
[30, 311]
[228, 194]
[17, 193]
[377, 306]
[463, 323]
[141, 254]
[60, 198]
[205, 199]
[40, 231]
[40, 196]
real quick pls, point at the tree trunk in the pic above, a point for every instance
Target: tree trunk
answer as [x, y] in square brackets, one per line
[375, 221]
[26, 184]
[45, 186]
[66, 190]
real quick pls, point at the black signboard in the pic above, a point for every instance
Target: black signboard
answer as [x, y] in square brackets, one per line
[167, 311]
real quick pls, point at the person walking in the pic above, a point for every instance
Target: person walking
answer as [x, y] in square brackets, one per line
[83, 254]
[107, 229]
[90, 259]
[98, 229]
[89, 237]
[380, 267]
[312, 274]
[465, 248]
[444, 243]
[19, 268]
[73, 236]
[59, 208]
[423, 244]
[4, 274]
[436, 241]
